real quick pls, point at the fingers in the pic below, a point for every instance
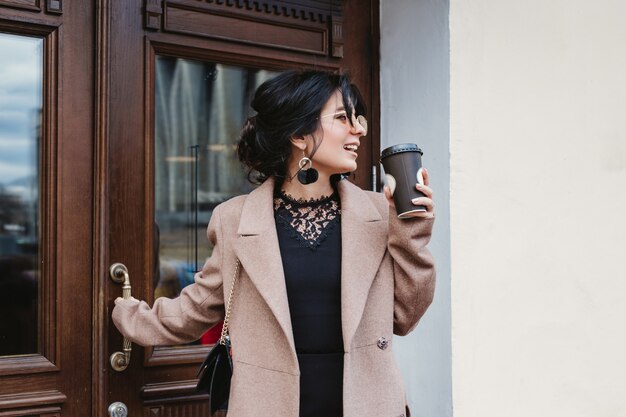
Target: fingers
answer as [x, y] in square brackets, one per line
[422, 214]
[424, 188]
[388, 196]
[428, 203]
[428, 192]
[426, 176]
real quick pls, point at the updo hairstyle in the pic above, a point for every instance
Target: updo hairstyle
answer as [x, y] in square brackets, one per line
[289, 105]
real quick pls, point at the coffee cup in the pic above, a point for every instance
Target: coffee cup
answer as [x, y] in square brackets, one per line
[403, 169]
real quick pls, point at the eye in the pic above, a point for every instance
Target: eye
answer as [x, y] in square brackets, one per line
[343, 117]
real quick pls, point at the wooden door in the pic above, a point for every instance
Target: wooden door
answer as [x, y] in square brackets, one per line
[46, 208]
[131, 146]
[176, 78]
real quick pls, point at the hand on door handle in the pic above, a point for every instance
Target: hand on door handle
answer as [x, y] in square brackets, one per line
[119, 273]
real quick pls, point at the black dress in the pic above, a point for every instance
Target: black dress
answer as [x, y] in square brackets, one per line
[309, 236]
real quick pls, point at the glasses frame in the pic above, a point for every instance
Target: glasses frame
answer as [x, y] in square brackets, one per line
[360, 119]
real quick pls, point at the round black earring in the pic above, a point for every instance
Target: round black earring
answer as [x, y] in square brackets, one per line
[307, 175]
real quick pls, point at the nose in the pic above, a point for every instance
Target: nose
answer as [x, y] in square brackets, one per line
[358, 129]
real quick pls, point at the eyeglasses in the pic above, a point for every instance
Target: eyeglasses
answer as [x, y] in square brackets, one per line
[359, 120]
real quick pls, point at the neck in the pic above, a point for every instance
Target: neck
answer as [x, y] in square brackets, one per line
[320, 188]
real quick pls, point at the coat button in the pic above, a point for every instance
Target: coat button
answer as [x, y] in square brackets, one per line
[382, 342]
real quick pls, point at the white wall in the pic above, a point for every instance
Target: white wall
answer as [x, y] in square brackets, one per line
[415, 108]
[538, 207]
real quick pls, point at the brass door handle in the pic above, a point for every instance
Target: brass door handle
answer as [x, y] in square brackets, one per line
[119, 273]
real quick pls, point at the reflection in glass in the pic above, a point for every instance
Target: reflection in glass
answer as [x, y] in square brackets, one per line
[200, 108]
[20, 122]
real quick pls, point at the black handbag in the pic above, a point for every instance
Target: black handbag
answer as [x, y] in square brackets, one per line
[216, 371]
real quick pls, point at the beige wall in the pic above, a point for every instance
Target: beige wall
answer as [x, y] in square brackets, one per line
[538, 207]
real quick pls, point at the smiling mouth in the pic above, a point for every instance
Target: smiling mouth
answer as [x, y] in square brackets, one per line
[351, 148]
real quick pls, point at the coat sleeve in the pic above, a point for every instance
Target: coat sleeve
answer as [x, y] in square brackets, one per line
[413, 268]
[182, 319]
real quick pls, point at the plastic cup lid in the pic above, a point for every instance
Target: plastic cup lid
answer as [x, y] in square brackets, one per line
[403, 147]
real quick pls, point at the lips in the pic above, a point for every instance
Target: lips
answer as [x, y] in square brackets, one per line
[352, 148]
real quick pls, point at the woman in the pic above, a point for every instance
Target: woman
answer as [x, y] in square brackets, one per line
[329, 273]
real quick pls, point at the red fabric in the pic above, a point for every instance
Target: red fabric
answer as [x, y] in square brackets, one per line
[212, 335]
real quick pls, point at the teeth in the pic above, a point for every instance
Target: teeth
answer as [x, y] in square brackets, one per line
[351, 147]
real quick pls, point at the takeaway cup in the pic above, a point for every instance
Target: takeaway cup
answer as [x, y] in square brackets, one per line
[403, 169]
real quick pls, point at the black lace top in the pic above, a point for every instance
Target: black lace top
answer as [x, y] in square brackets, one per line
[309, 222]
[309, 236]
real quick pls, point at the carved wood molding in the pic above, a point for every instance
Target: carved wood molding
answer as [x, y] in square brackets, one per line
[170, 392]
[153, 13]
[320, 10]
[52, 6]
[308, 26]
[168, 389]
[196, 409]
[178, 398]
[36, 399]
[336, 37]
[22, 4]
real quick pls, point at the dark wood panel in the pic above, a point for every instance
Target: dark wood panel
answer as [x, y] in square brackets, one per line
[192, 409]
[30, 400]
[163, 392]
[37, 385]
[311, 38]
[176, 355]
[27, 364]
[22, 4]
[216, 50]
[180, 410]
[33, 412]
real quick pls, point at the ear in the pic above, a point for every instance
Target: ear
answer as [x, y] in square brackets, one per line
[299, 142]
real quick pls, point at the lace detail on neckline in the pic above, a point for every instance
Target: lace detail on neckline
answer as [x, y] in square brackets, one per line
[291, 199]
[310, 222]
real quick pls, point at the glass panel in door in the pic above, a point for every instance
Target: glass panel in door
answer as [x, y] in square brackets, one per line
[21, 83]
[200, 108]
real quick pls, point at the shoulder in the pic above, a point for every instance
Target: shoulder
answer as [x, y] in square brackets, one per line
[376, 199]
[232, 203]
[231, 206]
[228, 213]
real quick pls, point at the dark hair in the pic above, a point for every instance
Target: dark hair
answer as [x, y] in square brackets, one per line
[289, 105]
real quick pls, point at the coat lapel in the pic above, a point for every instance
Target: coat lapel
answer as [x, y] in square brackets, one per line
[363, 235]
[257, 248]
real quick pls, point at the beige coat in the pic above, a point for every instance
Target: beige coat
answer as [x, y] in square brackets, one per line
[387, 283]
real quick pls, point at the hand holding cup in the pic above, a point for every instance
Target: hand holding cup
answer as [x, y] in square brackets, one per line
[426, 201]
[403, 166]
